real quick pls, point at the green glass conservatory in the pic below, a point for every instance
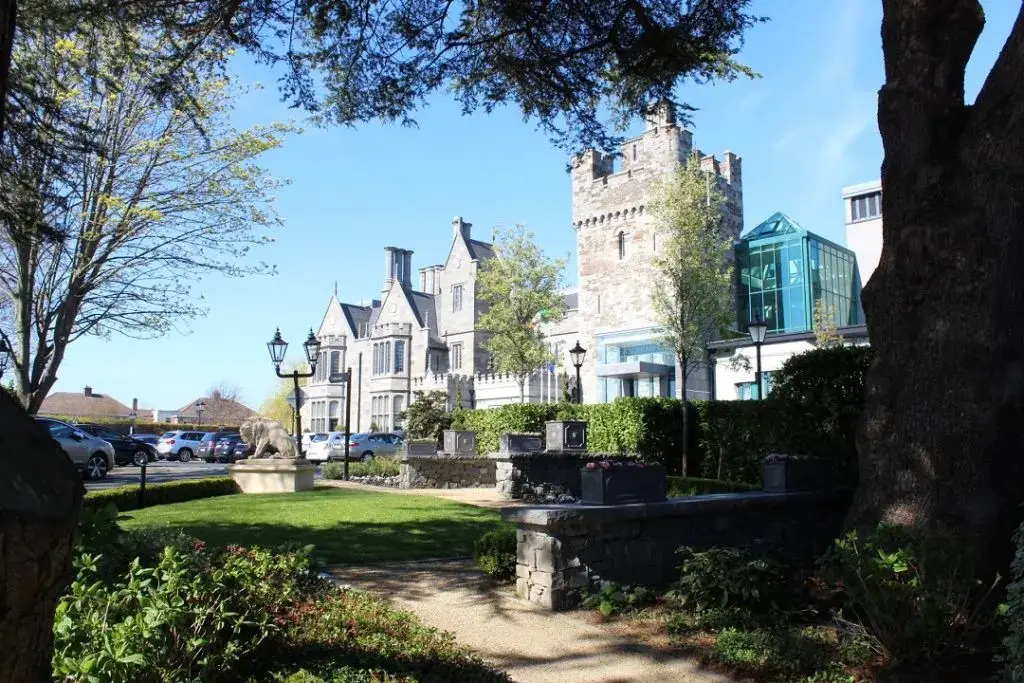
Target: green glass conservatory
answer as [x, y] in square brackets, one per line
[783, 271]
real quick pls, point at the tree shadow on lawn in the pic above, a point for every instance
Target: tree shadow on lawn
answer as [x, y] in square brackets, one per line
[352, 542]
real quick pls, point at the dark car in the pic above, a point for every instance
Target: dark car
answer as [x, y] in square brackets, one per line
[127, 449]
[208, 445]
[225, 451]
[151, 439]
[243, 450]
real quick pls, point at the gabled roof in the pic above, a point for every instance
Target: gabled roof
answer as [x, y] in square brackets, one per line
[219, 410]
[480, 250]
[357, 317]
[80, 405]
[422, 306]
[776, 225]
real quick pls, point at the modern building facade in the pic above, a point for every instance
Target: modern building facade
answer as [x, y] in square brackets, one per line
[862, 206]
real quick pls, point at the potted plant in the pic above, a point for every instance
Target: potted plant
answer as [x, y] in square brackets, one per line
[782, 473]
[617, 482]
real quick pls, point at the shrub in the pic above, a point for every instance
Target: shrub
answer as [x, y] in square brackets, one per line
[1013, 644]
[613, 599]
[693, 486]
[914, 595]
[380, 466]
[126, 498]
[427, 416]
[495, 553]
[728, 577]
[784, 649]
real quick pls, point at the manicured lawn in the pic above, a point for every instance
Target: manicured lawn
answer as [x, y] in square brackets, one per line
[346, 526]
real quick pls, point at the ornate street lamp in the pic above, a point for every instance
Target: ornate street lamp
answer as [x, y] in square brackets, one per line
[578, 353]
[277, 347]
[757, 329]
[200, 407]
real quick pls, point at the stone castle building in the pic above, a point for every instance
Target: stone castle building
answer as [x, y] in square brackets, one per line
[422, 336]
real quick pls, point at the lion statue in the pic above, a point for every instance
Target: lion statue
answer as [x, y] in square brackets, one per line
[268, 435]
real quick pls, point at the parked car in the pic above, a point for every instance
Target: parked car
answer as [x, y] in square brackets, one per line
[179, 445]
[225, 451]
[243, 450]
[368, 444]
[151, 439]
[93, 456]
[127, 449]
[208, 445]
[326, 447]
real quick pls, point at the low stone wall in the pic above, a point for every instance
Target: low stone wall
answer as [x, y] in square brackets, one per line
[446, 471]
[564, 548]
[542, 475]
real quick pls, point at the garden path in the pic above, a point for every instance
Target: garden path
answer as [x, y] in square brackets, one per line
[532, 644]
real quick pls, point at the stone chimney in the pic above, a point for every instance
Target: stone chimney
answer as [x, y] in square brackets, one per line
[135, 405]
[88, 390]
[461, 226]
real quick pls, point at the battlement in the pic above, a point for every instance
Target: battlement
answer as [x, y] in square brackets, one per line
[391, 330]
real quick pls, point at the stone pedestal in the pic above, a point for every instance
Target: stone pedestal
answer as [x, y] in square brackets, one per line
[273, 476]
[458, 442]
[566, 436]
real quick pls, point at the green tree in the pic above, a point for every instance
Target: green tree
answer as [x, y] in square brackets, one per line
[693, 290]
[825, 333]
[428, 416]
[521, 287]
[145, 201]
[276, 406]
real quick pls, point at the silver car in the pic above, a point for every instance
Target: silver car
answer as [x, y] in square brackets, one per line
[93, 456]
[366, 445]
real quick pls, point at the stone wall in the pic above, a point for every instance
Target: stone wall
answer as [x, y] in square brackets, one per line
[562, 549]
[446, 471]
[542, 475]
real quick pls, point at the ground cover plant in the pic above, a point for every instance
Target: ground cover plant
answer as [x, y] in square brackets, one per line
[346, 526]
[174, 609]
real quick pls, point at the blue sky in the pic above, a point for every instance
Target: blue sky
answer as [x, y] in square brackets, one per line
[804, 129]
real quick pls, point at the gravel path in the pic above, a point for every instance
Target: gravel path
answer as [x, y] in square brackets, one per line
[532, 644]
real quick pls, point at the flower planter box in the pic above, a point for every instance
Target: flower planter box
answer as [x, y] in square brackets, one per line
[520, 443]
[785, 474]
[566, 435]
[459, 442]
[620, 484]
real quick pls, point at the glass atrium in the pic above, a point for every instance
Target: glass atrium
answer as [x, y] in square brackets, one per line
[784, 270]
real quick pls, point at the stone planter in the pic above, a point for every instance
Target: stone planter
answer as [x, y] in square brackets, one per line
[421, 447]
[520, 443]
[621, 484]
[566, 435]
[267, 475]
[459, 442]
[782, 474]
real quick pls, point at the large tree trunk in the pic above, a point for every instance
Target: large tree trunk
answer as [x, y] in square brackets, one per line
[40, 497]
[940, 438]
[8, 16]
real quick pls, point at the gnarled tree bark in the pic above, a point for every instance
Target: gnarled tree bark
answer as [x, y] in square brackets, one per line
[40, 498]
[941, 441]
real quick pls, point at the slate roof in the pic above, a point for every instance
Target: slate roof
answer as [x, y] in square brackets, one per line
[480, 250]
[423, 306]
[78, 405]
[357, 317]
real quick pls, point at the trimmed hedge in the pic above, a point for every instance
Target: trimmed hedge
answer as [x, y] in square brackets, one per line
[694, 486]
[126, 498]
[124, 425]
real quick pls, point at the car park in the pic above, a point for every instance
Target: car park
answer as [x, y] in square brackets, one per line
[93, 456]
[151, 439]
[208, 445]
[225, 450]
[243, 450]
[179, 445]
[127, 449]
[366, 445]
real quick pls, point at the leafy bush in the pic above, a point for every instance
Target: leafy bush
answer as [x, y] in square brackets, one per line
[613, 599]
[1013, 657]
[914, 595]
[126, 498]
[495, 553]
[694, 486]
[427, 416]
[728, 577]
[381, 466]
[789, 650]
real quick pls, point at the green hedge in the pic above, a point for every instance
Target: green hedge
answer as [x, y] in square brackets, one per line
[695, 486]
[126, 498]
[123, 425]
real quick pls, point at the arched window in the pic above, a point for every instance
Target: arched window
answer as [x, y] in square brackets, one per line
[387, 356]
[622, 245]
[335, 366]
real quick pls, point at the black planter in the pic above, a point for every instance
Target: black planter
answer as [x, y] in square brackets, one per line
[805, 474]
[621, 484]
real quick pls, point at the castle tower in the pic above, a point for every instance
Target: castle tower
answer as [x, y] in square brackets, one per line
[615, 242]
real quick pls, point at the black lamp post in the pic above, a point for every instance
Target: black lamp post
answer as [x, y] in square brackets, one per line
[277, 348]
[578, 353]
[200, 407]
[757, 329]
